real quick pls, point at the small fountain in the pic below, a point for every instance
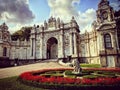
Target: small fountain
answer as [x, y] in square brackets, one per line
[77, 68]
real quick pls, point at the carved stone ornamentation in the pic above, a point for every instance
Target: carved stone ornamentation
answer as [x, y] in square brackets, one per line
[77, 68]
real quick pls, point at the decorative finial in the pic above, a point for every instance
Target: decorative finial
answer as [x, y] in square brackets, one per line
[73, 18]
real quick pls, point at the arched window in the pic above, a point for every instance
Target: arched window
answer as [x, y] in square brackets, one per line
[4, 51]
[107, 41]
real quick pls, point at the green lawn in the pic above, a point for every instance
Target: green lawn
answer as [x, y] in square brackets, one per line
[90, 65]
[11, 83]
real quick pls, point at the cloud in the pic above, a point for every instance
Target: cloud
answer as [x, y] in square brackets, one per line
[16, 11]
[86, 18]
[115, 4]
[65, 9]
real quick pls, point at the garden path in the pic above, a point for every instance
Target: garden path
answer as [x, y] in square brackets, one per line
[15, 71]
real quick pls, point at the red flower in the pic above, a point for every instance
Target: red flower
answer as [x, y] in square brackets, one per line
[32, 76]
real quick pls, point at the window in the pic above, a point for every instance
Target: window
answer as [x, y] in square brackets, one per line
[4, 51]
[107, 41]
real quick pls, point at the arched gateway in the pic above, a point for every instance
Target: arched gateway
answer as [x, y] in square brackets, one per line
[55, 40]
[52, 48]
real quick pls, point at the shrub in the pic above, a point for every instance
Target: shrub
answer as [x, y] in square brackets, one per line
[90, 76]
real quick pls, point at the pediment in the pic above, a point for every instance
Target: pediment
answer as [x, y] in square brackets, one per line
[106, 26]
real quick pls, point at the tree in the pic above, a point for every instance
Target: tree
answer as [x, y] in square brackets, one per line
[22, 34]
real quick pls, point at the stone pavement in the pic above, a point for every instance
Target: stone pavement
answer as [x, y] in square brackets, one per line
[15, 71]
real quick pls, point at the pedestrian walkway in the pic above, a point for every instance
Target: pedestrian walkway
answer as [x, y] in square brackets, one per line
[15, 71]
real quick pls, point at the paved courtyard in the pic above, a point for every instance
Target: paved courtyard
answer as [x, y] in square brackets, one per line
[15, 71]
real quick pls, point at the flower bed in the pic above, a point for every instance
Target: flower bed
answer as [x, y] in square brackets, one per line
[39, 79]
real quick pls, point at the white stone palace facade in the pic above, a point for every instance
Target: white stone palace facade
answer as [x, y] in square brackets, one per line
[57, 40]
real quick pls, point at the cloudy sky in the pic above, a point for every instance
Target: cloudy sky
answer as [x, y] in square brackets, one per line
[18, 13]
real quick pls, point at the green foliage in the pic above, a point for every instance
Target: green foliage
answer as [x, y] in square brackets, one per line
[88, 71]
[22, 34]
[68, 72]
[49, 75]
[53, 73]
[105, 74]
[90, 76]
[90, 65]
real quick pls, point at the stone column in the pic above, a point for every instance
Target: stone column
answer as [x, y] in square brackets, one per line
[97, 49]
[44, 48]
[114, 41]
[34, 49]
[41, 47]
[31, 47]
[71, 44]
[61, 46]
[116, 37]
[102, 42]
[87, 49]
[75, 45]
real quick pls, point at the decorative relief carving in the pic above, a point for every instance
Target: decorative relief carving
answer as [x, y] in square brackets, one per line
[66, 39]
[106, 27]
